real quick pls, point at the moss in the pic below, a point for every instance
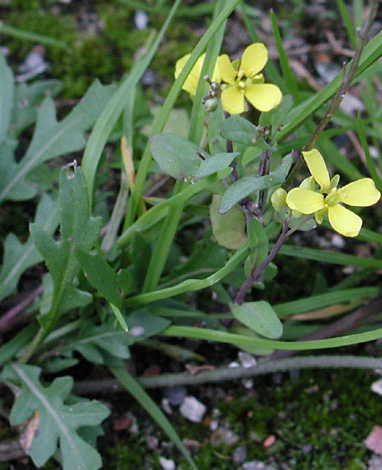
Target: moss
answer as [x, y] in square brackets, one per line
[319, 418]
[106, 54]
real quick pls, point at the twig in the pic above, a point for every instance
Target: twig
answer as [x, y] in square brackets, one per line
[259, 269]
[13, 316]
[263, 170]
[347, 77]
[232, 373]
[11, 450]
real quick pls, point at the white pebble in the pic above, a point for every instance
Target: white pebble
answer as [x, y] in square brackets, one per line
[166, 464]
[192, 409]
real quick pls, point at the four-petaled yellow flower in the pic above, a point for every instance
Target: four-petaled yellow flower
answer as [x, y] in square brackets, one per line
[191, 82]
[246, 81]
[328, 201]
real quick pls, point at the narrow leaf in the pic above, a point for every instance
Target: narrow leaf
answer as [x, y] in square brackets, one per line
[136, 390]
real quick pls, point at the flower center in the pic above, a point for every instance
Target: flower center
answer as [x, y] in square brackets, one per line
[332, 198]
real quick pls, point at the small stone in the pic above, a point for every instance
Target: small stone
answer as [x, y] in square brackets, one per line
[166, 464]
[223, 436]
[152, 442]
[248, 383]
[166, 406]
[136, 331]
[214, 424]
[176, 395]
[246, 360]
[375, 463]
[192, 409]
[269, 441]
[306, 449]
[233, 364]
[239, 454]
[256, 465]
[376, 387]
[338, 241]
[141, 20]
[374, 440]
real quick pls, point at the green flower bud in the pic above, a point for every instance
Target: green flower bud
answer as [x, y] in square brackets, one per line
[278, 199]
[211, 105]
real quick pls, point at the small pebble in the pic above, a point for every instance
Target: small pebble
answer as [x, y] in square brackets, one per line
[136, 331]
[306, 449]
[223, 436]
[166, 464]
[141, 20]
[246, 360]
[256, 465]
[376, 387]
[239, 454]
[176, 395]
[152, 442]
[338, 241]
[192, 409]
[375, 463]
[165, 403]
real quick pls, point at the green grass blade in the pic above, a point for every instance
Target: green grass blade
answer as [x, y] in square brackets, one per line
[170, 224]
[10, 349]
[33, 37]
[190, 285]
[136, 390]
[271, 69]
[347, 22]
[369, 161]
[284, 63]
[158, 212]
[330, 257]
[245, 341]
[114, 108]
[324, 300]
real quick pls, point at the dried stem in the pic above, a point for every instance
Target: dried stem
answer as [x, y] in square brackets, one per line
[228, 373]
[13, 316]
[263, 170]
[347, 78]
[259, 269]
[344, 324]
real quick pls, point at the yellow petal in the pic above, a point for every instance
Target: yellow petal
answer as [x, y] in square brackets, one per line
[253, 59]
[317, 168]
[191, 82]
[227, 72]
[180, 64]
[263, 97]
[216, 76]
[304, 200]
[232, 100]
[361, 193]
[344, 221]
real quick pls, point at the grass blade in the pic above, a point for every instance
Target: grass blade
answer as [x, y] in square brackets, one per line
[136, 390]
[113, 109]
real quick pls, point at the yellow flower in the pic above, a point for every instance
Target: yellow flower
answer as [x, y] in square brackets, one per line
[246, 81]
[191, 82]
[328, 201]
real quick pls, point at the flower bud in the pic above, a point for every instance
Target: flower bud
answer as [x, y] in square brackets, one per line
[210, 105]
[278, 199]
